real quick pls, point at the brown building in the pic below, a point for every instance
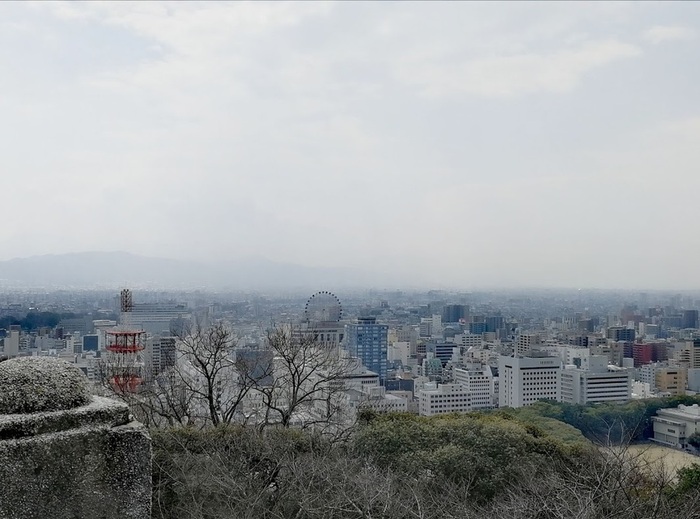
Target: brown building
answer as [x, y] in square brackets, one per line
[672, 380]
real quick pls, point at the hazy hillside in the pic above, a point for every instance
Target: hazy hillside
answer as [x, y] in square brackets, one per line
[90, 269]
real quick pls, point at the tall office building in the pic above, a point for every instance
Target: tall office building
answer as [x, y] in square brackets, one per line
[477, 328]
[369, 341]
[647, 375]
[91, 342]
[642, 354]
[526, 342]
[11, 343]
[161, 354]
[409, 334]
[619, 333]
[599, 383]
[687, 354]
[479, 382]
[431, 326]
[494, 323]
[155, 318]
[82, 325]
[441, 350]
[258, 364]
[525, 380]
[690, 319]
[454, 313]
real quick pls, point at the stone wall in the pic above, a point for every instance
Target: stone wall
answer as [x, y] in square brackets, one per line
[90, 461]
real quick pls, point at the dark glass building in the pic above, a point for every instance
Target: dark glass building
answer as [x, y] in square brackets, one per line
[369, 341]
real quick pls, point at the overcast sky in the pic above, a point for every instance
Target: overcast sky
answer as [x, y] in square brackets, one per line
[547, 144]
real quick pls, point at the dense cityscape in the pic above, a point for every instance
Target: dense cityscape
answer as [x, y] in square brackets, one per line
[426, 353]
[349, 260]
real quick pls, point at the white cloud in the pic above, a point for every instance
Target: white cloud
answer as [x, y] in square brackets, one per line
[411, 134]
[512, 75]
[687, 128]
[192, 27]
[661, 33]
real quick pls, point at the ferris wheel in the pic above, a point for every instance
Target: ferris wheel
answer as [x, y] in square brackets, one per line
[323, 306]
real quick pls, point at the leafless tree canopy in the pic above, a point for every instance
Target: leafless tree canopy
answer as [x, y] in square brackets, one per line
[210, 371]
[308, 379]
[292, 380]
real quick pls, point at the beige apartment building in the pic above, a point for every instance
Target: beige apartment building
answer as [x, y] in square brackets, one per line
[672, 380]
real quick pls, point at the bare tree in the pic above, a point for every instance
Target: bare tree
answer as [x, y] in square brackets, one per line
[167, 400]
[155, 399]
[208, 382]
[211, 369]
[606, 481]
[307, 381]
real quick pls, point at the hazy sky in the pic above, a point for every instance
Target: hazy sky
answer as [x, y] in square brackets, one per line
[550, 144]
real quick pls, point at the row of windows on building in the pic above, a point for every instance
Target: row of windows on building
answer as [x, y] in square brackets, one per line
[448, 401]
[445, 406]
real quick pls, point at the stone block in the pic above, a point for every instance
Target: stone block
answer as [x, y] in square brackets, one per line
[90, 462]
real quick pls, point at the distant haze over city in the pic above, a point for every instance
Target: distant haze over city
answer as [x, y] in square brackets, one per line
[113, 270]
[369, 144]
[121, 269]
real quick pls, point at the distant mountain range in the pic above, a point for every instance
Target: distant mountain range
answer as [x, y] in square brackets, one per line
[111, 269]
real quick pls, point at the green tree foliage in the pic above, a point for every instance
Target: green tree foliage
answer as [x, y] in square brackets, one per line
[611, 423]
[480, 452]
[694, 439]
[688, 480]
[555, 428]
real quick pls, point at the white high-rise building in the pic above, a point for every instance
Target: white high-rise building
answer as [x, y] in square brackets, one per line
[525, 380]
[479, 382]
[11, 344]
[431, 326]
[601, 383]
[437, 327]
[647, 375]
[155, 318]
[399, 352]
[526, 342]
[575, 355]
[160, 354]
[443, 398]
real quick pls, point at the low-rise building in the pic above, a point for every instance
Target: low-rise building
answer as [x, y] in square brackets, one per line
[674, 426]
[380, 400]
[437, 399]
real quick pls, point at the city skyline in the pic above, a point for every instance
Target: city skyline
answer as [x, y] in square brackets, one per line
[462, 144]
